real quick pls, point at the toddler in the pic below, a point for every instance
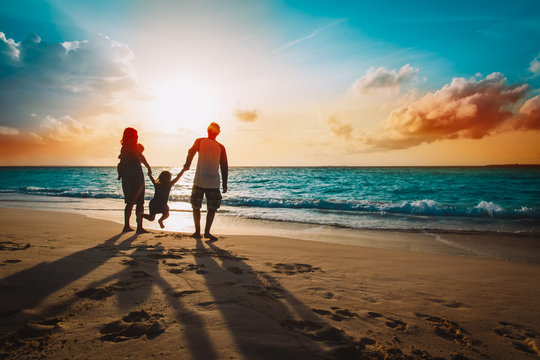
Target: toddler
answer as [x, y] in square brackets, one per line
[162, 186]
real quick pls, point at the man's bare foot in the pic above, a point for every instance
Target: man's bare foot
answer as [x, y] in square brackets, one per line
[196, 235]
[161, 224]
[127, 229]
[142, 231]
[210, 237]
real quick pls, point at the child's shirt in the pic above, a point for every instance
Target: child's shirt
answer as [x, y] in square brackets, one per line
[162, 191]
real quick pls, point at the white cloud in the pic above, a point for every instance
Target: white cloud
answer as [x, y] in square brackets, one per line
[380, 78]
[534, 66]
[79, 78]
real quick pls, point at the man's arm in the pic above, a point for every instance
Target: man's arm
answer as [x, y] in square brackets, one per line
[224, 165]
[191, 153]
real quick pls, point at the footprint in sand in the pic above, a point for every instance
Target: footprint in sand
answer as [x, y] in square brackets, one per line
[11, 261]
[101, 293]
[449, 330]
[235, 270]
[180, 268]
[392, 323]
[12, 246]
[522, 338]
[451, 304]
[139, 274]
[271, 285]
[338, 314]
[184, 293]
[292, 269]
[33, 336]
[134, 325]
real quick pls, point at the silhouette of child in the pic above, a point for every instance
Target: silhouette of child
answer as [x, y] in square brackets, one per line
[121, 164]
[162, 186]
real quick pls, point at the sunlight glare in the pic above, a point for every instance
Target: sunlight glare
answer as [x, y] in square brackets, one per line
[183, 104]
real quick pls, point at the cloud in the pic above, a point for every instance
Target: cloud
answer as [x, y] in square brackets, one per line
[63, 129]
[8, 131]
[528, 117]
[246, 115]
[534, 66]
[340, 128]
[464, 109]
[380, 78]
[78, 78]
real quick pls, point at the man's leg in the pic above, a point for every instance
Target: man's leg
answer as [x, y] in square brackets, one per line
[196, 203]
[209, 220]
[197, 222]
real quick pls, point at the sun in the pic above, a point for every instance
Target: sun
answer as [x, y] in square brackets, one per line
[183, 104]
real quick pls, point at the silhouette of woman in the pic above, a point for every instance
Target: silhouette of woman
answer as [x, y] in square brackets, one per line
[130, 171]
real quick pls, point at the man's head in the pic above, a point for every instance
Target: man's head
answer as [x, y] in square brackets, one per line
[213, 130]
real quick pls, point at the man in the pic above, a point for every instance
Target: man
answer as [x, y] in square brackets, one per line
[212, 157]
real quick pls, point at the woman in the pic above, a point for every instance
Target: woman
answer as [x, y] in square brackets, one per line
[130, 171]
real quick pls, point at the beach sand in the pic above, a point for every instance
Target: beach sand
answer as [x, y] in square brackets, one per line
[72, 287]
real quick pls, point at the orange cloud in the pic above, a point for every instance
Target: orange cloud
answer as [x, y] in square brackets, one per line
[463, 109]
[246, 115]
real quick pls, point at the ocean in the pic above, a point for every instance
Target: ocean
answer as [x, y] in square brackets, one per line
[444, 199]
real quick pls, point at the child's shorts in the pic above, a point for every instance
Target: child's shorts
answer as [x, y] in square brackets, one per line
[213, 198]
[157, 207]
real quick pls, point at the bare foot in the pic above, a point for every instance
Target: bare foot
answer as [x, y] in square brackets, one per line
[142, 231]
[196, 235]
[127, 229]
[161, 224]
[210, 237]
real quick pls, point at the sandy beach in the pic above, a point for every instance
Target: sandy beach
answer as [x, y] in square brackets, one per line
[74, 287]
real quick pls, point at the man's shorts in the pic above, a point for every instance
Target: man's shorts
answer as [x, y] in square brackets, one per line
[213, 198]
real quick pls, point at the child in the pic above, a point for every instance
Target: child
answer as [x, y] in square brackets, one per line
[162, 186]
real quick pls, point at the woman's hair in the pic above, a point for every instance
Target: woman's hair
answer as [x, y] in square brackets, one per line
[129, 139]
[164, 177]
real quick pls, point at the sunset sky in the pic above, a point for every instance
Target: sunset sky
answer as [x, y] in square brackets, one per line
[290, 82]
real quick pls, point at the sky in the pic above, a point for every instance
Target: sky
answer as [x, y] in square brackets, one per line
[292, 83]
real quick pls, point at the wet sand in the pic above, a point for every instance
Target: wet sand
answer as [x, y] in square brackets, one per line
[74, 287]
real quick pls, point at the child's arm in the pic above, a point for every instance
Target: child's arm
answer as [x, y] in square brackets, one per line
[151, 177]
[178, 177]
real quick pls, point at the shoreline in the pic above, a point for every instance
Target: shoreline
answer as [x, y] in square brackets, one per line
[80, 287]
[521, 248]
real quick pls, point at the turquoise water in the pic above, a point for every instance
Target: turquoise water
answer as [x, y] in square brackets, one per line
[501, 199]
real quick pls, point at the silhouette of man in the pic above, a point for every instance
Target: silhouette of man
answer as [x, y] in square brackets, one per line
[212, 157]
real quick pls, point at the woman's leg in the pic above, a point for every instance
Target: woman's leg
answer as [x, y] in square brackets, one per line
[139, 209]
[127, 216]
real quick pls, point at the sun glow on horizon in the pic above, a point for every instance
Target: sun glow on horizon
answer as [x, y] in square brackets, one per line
[182, 104]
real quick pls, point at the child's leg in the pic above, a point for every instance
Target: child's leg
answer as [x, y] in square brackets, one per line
[150, 216]
[163, 217]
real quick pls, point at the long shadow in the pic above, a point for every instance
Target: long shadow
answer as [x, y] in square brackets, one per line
[28, 288]
[261, 296]
[194, 331]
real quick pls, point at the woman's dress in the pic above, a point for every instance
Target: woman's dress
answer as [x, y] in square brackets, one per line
[132, 177]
